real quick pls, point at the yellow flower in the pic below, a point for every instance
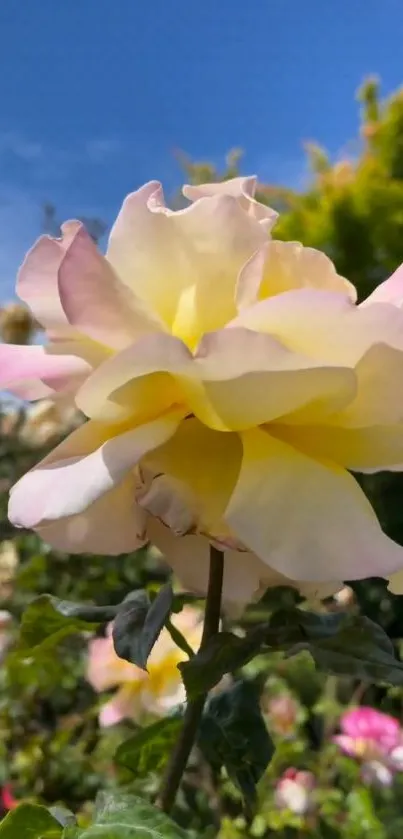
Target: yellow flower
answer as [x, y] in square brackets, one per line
[141, 693]
[231, 384]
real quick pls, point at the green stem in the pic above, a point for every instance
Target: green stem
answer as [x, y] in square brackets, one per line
[194, 710]
[179, 639]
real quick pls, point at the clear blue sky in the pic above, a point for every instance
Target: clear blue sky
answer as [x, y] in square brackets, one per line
[95, 95]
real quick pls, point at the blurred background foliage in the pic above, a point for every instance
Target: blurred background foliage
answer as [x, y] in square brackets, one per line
[52, 748]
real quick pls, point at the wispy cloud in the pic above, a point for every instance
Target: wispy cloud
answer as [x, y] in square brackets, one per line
[48, 160]
[101, 148]
[15, 143]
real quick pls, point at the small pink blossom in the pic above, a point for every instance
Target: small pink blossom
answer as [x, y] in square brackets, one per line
[7, 798]
[282, 713]
[376, 740]
[294, 791]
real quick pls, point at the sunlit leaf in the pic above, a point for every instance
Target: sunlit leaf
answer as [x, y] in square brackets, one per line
[148, 749]
[123, 816]
[30, 821]
[48, 620]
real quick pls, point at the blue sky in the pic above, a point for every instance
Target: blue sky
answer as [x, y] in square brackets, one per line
[95, 95]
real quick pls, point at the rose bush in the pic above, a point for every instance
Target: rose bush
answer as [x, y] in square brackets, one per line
[230, 383]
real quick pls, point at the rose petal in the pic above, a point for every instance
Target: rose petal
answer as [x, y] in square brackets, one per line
[205, 464]
[237, 379]
[174, 260]
[34, 372]
[251, 378]
[348, 745]
[325, 325]
[242, 188]
[245, 576]
[370, 724]
[105, 669]
[37, 282]
[289, 265]
[390, 291]
[368, 450]
[94, 300]
[304, 518]
[126, 704]
[82, 469]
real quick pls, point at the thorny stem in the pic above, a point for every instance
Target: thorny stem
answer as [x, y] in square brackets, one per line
[180, 755]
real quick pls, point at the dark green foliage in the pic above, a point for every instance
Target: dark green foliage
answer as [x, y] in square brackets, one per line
[233, 734]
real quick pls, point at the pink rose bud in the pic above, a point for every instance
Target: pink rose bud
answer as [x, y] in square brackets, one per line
[294, 791]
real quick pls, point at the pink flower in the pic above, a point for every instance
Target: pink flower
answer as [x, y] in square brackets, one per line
[231, 385]
[283, 714]
[139, 693]
[294, 791]
[7, 798]
[375, 739]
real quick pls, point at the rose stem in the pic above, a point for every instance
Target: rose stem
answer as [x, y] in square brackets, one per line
[180, 755]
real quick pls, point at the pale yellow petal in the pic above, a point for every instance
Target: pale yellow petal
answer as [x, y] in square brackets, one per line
[308, 520]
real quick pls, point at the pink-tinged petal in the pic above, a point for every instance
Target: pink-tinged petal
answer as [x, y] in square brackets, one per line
[369, 724]
[105, 669]
[102, 672]
[94, 300]
[80, 470]
[374, 771]
[242, 188]
[111, 525]
[125, 704]
[325, 325]
[348, 745]
[396, 758]
[174, 260]
[307, 520]
[98, 666]
[390, 291]
[35, 371]
[37, 282]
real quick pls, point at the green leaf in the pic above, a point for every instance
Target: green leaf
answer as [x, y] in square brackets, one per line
[185, 598]
[354, 646]
[128, 817]
[148, 749]
[62, 815]
[233, 734]
[30, 821]
[139, 623]
[48, 620]
[225, 653]
[179, 639]
[344, 644]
